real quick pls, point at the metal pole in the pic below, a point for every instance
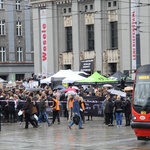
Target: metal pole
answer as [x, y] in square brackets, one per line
[138, 45]
[0, 117]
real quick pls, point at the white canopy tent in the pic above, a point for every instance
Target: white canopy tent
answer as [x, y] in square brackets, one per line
[63, 73]
[46, 80]
[59, 74]
[72, 78]
[2, 80]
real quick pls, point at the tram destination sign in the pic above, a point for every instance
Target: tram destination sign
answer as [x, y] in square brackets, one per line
[143, 78]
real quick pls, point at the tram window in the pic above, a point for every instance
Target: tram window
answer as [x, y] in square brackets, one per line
[142, 93]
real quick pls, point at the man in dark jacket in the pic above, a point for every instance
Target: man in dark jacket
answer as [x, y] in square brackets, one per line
[127, 111]
[109, 111]
[11, 109]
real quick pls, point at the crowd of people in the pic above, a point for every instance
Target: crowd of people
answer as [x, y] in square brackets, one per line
[33, 105]
[114, 107]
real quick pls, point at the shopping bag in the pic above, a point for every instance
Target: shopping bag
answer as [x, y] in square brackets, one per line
[36, 117]
[76, 119]
[20, 113]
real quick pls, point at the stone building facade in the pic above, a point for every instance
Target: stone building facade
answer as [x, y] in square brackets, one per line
[76, 30]
[16, 40]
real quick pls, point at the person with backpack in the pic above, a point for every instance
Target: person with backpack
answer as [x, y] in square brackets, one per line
[76, 111]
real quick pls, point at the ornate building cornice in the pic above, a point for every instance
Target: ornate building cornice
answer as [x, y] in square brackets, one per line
[57, 1]
[45, 1]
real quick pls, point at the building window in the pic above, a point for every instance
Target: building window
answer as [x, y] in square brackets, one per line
[114, 34]
[18, 5]
[86, 7]
[109, 4]
[112, 67]
[19, 77]
[69, 38]
[1, 4]
[19, 28]
[2, 54]
[114, 3]
[2, 27]
[90, 36]
[19, 54]
[69, 10]
[91, 7]
[64, 10]
[67, 67]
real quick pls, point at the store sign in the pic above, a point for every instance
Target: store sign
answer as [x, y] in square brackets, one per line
[87, 65]
[133, 32]
[43, 40]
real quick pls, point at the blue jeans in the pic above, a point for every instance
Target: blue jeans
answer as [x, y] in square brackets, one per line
[119, 118]
[45, 116]
[80, 122]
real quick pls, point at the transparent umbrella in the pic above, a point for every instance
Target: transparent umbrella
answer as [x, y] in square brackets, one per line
[70, 93]
[117, 92]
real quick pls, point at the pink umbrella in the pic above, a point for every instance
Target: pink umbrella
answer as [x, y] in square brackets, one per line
[70, 89]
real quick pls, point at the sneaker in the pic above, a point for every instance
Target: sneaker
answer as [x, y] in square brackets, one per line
[49, 125]
[69, 127]
[58, 123]
[81, 128]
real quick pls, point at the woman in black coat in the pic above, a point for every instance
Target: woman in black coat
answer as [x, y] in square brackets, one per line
[27, 111]
[118, 111]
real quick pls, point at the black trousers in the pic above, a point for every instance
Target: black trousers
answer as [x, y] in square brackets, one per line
[128, 117]
[109, 118]
[56, 115]
[6, 115]
[12, 116]
[82, 116]
[27, 120]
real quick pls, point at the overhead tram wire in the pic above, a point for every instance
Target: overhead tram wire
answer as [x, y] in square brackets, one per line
[30, 7]
[102, 12]
[85, 12]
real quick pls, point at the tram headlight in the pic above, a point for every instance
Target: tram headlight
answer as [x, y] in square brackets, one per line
[133, 117]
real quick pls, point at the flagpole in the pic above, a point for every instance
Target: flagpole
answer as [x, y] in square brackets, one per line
[138, 45]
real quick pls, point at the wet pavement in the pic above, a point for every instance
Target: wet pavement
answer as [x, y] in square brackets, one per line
[94, 136]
